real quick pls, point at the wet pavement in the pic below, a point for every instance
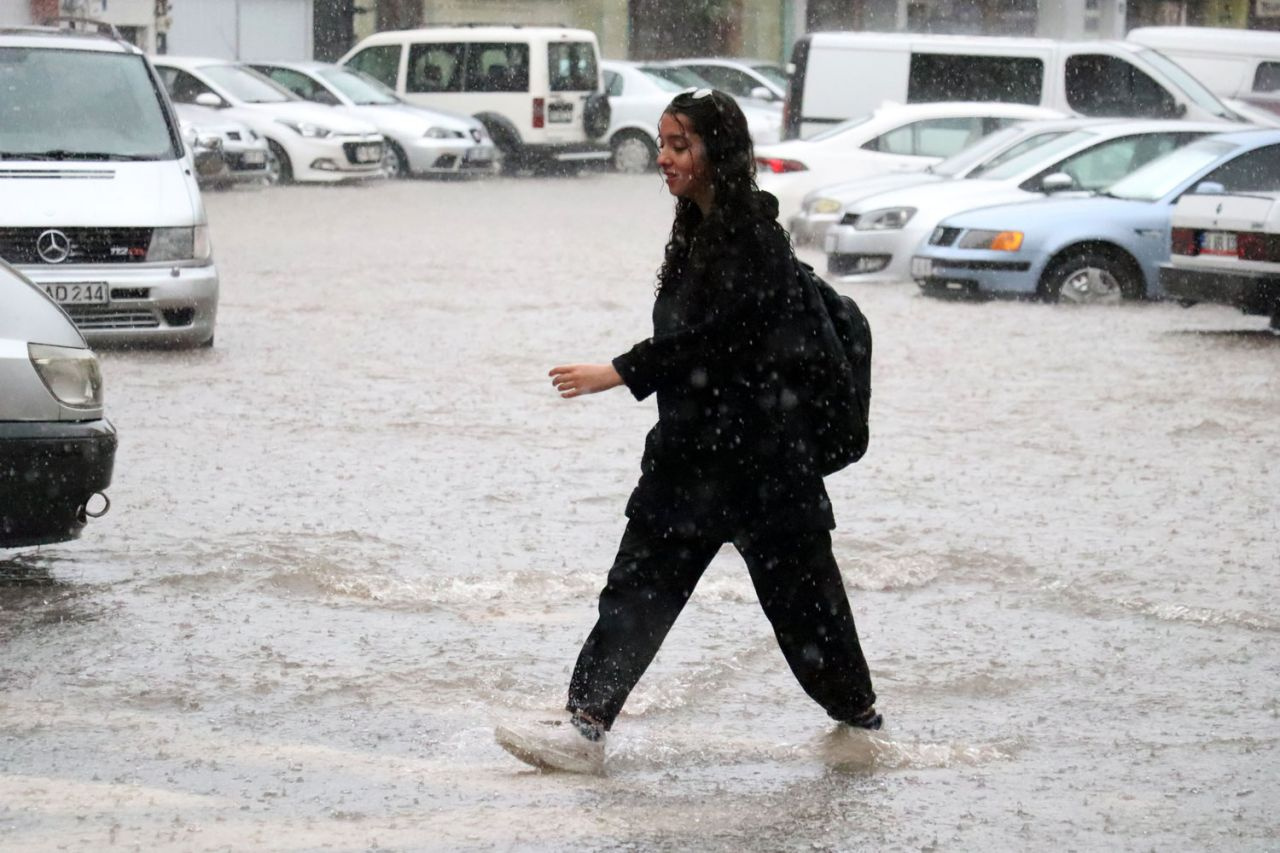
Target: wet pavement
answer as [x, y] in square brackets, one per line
[362, 528]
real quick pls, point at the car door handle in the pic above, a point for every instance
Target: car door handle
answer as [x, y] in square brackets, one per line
[1149, 232]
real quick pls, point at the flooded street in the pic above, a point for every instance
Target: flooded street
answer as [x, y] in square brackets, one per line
[363, 528]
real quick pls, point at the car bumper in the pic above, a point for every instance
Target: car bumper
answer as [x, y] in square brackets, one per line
[163, 305]
[871, 255]
[333, 158]
[973, 273]
[1251, 291]
[571, 151]
[448, 156]
[48, 473]
[811, 228]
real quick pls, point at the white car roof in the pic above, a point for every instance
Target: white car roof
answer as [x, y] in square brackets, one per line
[946, 109]
[53, 38]
[189, 63]
[478, 33]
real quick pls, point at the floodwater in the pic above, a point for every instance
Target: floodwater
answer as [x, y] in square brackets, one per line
[363, 528]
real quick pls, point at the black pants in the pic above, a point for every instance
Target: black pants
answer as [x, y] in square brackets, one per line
[799, 587]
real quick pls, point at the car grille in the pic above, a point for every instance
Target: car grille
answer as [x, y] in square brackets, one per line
[943, 236]
[92, 317]
[349, 148]
[88, 245]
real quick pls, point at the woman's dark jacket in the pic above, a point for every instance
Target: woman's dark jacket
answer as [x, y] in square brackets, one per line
[731, 451]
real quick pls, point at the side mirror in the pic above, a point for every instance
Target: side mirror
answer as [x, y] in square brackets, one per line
[760, 93]
[1209, 188]
[1056, 183]
[209, 99]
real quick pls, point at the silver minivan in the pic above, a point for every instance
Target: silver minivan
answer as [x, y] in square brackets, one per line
[57, 450]
[98, 198]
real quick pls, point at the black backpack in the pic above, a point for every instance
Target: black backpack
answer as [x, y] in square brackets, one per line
[839, 399]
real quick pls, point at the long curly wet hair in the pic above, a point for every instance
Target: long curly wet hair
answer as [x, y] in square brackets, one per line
[718, 120]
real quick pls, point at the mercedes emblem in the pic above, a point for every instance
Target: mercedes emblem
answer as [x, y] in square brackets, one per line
[53, 246]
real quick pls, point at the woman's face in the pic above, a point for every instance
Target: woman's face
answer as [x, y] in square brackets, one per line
[682, 158]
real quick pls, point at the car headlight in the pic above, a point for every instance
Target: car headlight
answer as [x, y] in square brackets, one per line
[306, 128]
[442, 133]
[824, 205]
[997, 241]
[885, 219]
[71, 374]
[180, 244]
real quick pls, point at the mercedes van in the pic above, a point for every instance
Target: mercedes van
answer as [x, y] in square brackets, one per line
[839, 75]
[98, 198]
[537, 90]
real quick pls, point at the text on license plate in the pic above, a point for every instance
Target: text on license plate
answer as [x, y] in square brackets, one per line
[254, 158]
[79, 293]
[921, 267]
[560, 112]
[1218, 243]
[370, 153]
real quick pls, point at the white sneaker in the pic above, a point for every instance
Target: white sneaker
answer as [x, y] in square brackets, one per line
[553, 745]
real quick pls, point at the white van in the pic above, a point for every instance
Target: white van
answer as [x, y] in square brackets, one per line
[840, 75]
[537, 90]
[1239, 64]
[98, 198]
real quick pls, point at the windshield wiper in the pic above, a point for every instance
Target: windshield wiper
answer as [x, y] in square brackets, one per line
[66, 154]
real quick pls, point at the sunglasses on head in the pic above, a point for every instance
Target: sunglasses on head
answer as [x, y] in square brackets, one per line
[695, 93]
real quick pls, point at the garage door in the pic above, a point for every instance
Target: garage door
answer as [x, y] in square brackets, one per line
[242, 29]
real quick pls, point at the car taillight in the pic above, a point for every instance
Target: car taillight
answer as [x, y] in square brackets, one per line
[1184, 242]
[539, 112]
[1253, 246]
[777, 165]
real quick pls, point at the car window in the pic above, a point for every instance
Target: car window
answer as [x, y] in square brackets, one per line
[775, 75]
[613, 83]
[732, 80]
[300, 84]
[1191, 86]
[1162, 176]
[841, 128]
[381, 62]
[360, 88]
[497, 67]
[662, 81]
[1105, 163]
[571, 66]
[183, 87]
[83, 103]
[954, 77]
[684, 78]
[1010, 153]
[1254, 171]
[246, 84]
[1029, 161]
[1267, 77]
[935, 137]
[1102, 85]
[435, 68]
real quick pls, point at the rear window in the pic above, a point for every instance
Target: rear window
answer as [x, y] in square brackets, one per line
[953, 77]
[1267, 77]
[497, 67]
[571, 66]
[80, 105]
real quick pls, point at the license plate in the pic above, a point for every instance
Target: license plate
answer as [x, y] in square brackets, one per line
[79, 293]
[253, 158]
[1218, 243]
[560, 113]
[921, 267]
[479, 154]
[368, 153]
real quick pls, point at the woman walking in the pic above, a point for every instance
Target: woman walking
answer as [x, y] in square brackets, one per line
[731, 457]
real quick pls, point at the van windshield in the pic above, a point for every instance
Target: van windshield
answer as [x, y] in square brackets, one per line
[1195, 90]
[80, 105]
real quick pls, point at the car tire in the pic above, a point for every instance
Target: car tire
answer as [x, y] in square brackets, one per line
[596, 115]
[1275, 318]
[506, 139]
[1090, 277]
[394, 162]
[633, 152]
[279, 168]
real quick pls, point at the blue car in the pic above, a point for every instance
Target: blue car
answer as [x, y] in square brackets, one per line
[1102, 248]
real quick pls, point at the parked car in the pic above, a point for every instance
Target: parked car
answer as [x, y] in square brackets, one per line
[420, 140]
[822, 208]
[232, 151]
[892, 139]
[537, 90]
[1232, 63]
[1100, 249]
[843, 74]
[877, 234]
[98, 202]
[57, 450]
[637, 96]
[307, 142]
[1225, 249]
[757, 79]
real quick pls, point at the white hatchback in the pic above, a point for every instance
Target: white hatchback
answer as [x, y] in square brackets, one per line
[308, 142]
[894, 138]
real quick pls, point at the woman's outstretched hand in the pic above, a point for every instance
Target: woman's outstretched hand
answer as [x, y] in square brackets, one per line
[574, 380]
